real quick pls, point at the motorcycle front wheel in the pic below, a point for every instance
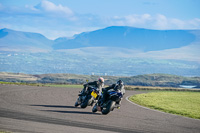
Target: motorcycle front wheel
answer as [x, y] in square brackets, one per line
[109, 107]
[76, 103]
[84, 103]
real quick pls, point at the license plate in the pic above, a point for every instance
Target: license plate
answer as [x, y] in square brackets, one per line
[94, 94]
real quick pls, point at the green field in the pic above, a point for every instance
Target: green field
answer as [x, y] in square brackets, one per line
[48, 85]
[4, 132]
[180, 103]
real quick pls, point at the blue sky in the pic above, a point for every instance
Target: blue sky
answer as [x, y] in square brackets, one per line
[58, 18]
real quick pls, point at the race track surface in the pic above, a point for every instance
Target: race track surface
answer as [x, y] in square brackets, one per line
[29, 109]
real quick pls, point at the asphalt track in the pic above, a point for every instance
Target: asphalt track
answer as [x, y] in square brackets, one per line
[28, 109]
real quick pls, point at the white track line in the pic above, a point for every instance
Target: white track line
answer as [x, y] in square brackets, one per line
[156, 110]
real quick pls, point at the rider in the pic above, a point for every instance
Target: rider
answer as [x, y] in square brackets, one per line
[97, 84]
[119, 86]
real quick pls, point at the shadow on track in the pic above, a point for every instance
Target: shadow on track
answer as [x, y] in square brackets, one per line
[54, 106]
[66, 111]
[73, 112]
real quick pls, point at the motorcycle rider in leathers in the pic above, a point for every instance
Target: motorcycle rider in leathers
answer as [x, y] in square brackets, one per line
[119, 86]
[97, 84]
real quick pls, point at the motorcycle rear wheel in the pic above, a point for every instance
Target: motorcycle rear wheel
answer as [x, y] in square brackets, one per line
[94, 109]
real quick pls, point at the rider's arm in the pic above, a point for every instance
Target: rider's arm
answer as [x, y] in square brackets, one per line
[110, 87]
[92, 83]
[123, 90]
[89, 83]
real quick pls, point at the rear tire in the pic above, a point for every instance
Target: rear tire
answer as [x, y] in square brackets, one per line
[90, 102]
[94, 109]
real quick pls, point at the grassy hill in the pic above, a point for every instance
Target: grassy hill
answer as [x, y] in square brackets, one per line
[163, 80]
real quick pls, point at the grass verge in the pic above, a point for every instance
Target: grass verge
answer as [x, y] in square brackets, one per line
[181, 103]
[21, 83]
[40, 84]
[129, 87]
[4, 131]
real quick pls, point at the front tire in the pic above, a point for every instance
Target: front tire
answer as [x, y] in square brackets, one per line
[84, 104]
[76, 104]
[108, 108]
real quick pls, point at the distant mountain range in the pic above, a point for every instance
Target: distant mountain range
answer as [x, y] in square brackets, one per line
[131, 38]
[116, 36]
[115, 50]
[11, 40]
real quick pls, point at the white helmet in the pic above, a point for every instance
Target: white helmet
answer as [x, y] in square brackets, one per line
[101, 80]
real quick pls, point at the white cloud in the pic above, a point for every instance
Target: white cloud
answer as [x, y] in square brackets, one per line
[137, 19]
[178, 23]
[161, 22]
[158, 21]
[195, 22]
[55, 10]
[49, 6]
[129, 20]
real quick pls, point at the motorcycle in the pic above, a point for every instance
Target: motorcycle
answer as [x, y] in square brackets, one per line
[113, 100]
[87, 99]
